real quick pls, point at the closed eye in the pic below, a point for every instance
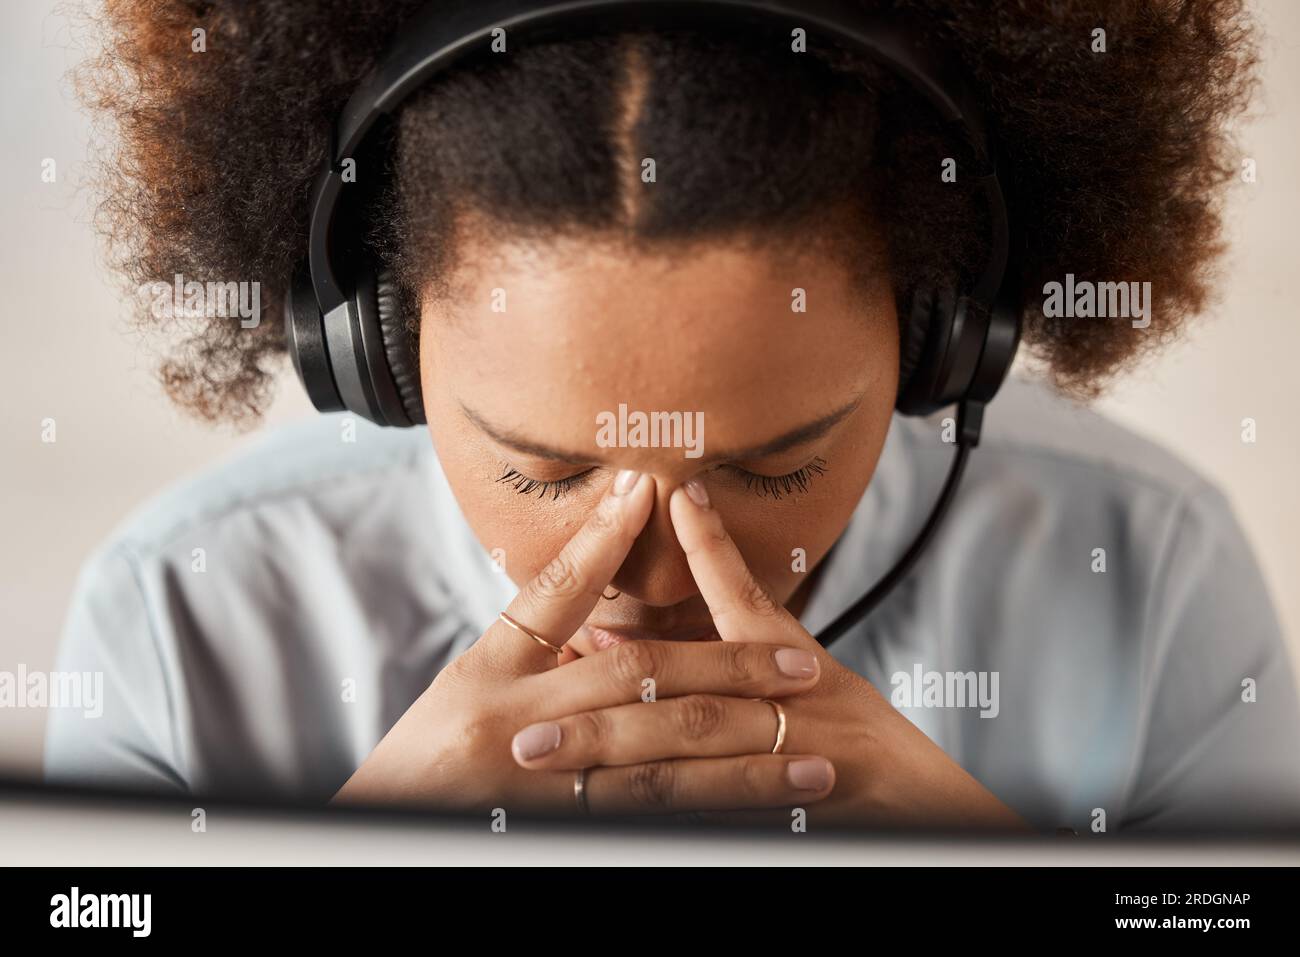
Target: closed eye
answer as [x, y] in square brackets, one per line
[776, 486]
[764, 486]
[524, 485]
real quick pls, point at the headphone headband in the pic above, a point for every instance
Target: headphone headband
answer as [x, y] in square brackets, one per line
[438, 38]
[349, 352]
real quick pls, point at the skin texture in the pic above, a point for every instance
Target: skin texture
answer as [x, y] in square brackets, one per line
[510, 723]
[590, 326]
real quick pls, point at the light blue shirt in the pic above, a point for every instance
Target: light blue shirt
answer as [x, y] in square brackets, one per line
[1098, 585]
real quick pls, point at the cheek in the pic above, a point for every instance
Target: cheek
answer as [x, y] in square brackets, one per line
[523, 543]
[783, 540]
[522, 532]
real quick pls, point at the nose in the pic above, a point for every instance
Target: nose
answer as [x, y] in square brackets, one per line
[655, 571]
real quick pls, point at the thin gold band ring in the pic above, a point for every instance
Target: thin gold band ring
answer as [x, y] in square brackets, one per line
[524, 631]
[580, 791]
[780, 725]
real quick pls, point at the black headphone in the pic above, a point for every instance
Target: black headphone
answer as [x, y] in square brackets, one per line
[350, 335]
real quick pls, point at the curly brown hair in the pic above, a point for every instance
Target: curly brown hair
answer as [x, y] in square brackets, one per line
[1117, 159]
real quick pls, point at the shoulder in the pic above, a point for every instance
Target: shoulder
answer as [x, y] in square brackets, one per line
[1069, 522]
[1052, 466]
[1054, 456]
[325, 459]
[1032, 424]
[1054, 479]
[325, 550]
[1110, 586]
[1111, 481]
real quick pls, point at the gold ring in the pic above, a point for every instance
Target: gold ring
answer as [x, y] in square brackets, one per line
[580, 791]
[780, 725]
[537, 638]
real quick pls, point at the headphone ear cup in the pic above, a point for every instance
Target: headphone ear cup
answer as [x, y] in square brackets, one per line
[396, 324]
[304, 338]
[921, 347]
[911, 343]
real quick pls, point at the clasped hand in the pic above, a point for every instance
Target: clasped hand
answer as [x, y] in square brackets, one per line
[508, 725]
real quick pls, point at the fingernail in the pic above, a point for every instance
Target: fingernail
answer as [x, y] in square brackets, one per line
[796, 662]
[625, 481]
[809, 774]
[536, 740]
[695, 489]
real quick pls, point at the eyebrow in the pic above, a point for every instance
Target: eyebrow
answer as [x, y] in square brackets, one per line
[799, 435]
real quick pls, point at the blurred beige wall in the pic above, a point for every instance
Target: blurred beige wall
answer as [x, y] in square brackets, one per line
[69, 356]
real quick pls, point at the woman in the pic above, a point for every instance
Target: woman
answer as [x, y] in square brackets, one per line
[1086, 644]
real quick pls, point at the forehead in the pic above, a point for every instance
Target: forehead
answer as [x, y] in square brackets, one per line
[578, 327]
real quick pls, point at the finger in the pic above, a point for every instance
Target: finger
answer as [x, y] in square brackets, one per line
[742, 607]
[710, 784]
[637, 671]
[692, 726]
[561, 596]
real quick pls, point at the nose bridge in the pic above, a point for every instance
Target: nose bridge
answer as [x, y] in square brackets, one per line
[655, 570]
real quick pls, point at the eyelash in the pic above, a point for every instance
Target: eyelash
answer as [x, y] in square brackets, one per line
[765, 486]
[775, 486]
[524, 485]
